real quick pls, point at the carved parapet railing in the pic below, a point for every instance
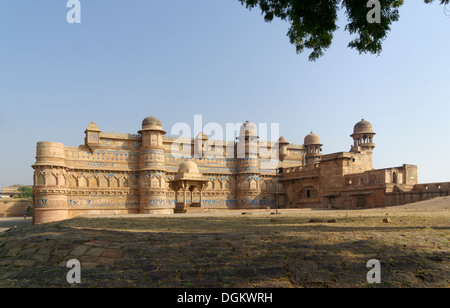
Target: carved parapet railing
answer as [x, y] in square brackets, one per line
[122, 136]
[300, 172]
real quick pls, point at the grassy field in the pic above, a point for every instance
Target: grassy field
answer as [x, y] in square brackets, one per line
[238, 249]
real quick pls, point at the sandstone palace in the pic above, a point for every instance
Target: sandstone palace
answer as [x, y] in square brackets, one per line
[138, 174]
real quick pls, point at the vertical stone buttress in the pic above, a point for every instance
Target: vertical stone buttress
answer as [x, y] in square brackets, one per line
[152, 169]
[248, 188]
[50, 187]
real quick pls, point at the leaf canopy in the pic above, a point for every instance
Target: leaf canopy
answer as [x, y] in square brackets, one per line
[313, 22]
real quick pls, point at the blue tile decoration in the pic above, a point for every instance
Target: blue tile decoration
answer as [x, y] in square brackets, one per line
[41, 203]
[119, 168]
[103, 203]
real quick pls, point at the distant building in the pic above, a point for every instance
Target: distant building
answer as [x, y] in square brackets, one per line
[347, 180]
[116, 173]
[8, 192]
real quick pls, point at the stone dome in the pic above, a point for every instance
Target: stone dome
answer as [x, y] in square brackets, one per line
[188, 167]
[152, 123]
[248, 129]
[363, 127]
[312, 139]
[282, 140]
[188, 170]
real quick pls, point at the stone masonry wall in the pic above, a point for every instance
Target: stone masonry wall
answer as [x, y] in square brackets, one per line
[13, 207]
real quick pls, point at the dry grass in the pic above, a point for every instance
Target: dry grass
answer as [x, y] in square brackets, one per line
[260, 249]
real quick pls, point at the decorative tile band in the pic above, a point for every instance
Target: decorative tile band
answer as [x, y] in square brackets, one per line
[103, 203]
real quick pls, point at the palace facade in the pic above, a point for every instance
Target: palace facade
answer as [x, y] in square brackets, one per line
[140, 173]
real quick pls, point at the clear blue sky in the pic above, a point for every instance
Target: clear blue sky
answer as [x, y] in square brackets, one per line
[174, 59]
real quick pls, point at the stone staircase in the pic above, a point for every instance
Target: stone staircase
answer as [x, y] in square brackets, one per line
[192, 208]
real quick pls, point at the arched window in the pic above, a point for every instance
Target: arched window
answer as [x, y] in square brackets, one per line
[73, 181]
[103, 182]
[52, 180]
[40, 180]
[395, 178]
[83, 182]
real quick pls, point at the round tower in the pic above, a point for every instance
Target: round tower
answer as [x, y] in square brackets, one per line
[282, 148]
[313, 148]
[248, 189]
[152, 168]
[50, 187]
[363, 137]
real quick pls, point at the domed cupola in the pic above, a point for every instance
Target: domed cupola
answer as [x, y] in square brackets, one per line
[152, 123]
[247, 145]
[313, 148]
[363, 137]
[312, 139]
[247, 131]
[152, 133]
[188, 170]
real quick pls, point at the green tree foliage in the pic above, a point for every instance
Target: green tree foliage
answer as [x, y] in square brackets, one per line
[25, 192]
[313, 22]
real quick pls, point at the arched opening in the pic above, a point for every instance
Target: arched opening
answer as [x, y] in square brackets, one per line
[83, 182]
[52, 180]
[103, 182]
[94, 182]
[194, 199]
[40, 180]
[124, 182]
[73, 181]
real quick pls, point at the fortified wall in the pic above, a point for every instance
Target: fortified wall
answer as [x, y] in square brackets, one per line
[130, 174]
[347, 180]
[13, 207]
[150, 173]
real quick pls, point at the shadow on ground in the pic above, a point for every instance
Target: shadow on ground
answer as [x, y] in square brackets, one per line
[226, 252]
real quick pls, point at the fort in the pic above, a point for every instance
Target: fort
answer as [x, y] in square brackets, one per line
[116, 174]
